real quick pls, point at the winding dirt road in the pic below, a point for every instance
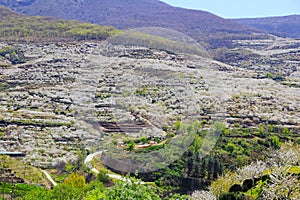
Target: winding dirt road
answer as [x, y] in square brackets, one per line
[88, 162]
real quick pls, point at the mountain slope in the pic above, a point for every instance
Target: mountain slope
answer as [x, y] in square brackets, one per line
[288, 26]
[132, 14]
[16, 27]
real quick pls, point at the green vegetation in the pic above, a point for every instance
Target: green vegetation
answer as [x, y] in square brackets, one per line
[75, 187]
[22, 170]
[132, 189]
[131, 146]
[102, 177]
[224, 169]
[12, 54]
[15, 27]
[276, 77]
[16, 191]
[199, 165]
[275, 178]
[136, 38]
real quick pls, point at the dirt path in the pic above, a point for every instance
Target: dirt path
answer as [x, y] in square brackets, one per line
[88, 162]
[49, 178]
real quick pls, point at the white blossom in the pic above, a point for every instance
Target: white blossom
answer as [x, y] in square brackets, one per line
[203, 195]
[282, 185]
[288, 155]
[254, 170]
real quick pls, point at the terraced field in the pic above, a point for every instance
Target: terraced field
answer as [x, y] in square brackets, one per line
[66, 96]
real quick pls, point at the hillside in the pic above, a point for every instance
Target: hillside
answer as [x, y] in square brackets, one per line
[287, 26]
[188, 122]
[127, 14]
[19, 27]
[147, 109]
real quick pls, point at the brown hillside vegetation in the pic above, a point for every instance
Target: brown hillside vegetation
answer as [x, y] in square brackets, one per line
[287, 26]
[127, 14]
[18, 27]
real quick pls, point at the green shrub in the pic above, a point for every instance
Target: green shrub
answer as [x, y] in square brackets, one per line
[12, 54]
[230, 196]
[269, 75]
[102, 177]
[132, 190]
[131, 146]
[275, 142]
[231, 147]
